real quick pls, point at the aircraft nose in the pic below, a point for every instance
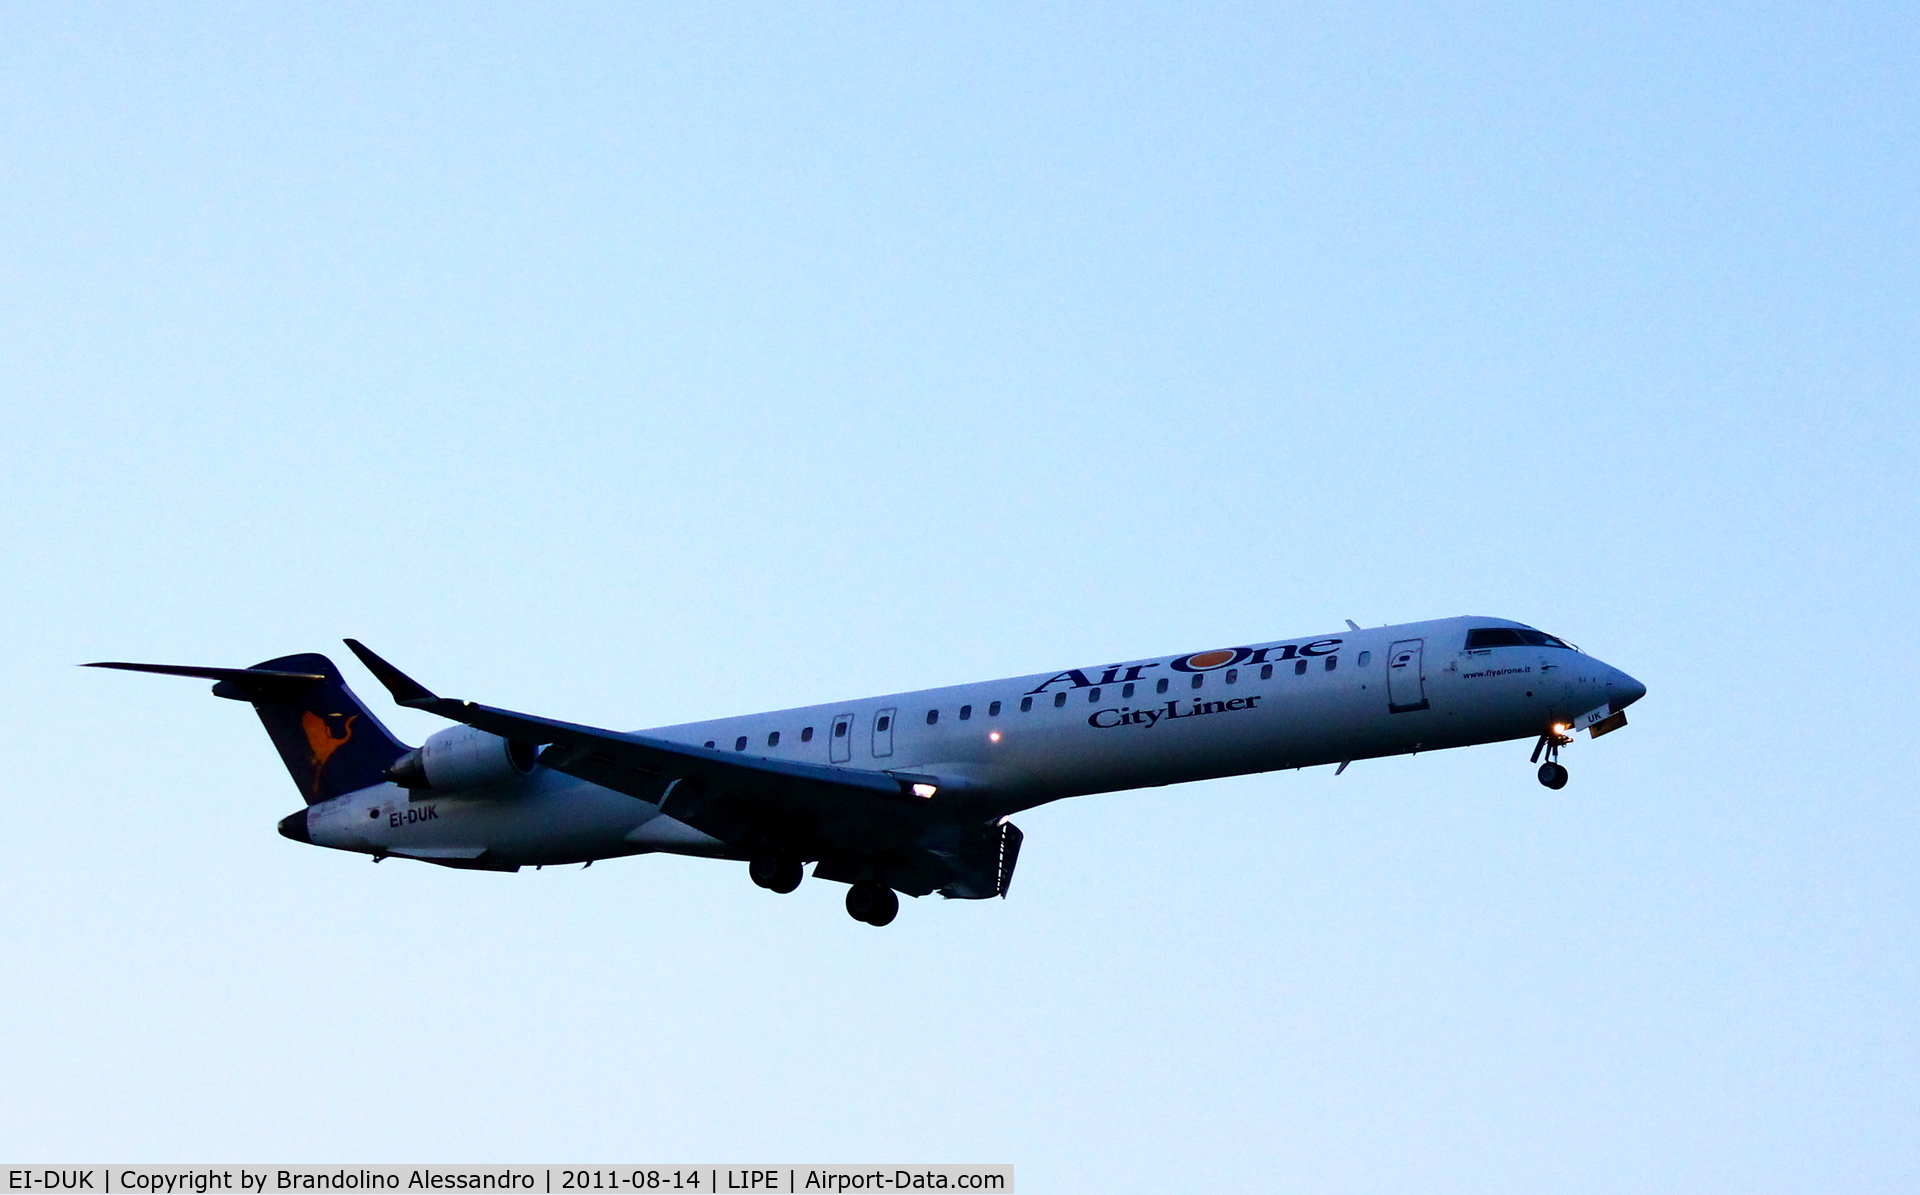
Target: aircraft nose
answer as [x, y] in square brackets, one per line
[1625, 689]
[294, 826]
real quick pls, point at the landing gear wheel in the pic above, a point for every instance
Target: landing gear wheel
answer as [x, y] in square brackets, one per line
[776, 872]
[792, 871]
[1552, 774]
[875, 904]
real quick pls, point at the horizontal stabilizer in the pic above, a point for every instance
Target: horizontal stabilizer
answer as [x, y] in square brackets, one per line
[261, 678]
[330, 743]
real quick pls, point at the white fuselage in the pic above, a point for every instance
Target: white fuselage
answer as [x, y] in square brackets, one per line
[994, 748]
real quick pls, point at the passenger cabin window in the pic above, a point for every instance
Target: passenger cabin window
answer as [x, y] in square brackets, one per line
[1364, 657]
[1093, 695]
[806, 734]
[1266, 672]
[993, 711]
[840, 730]
[1332, 663]
[1199, 678]
[1059, 699]
[1299, 667]
[1026, 703]
[773, 740]
[966, 713]
[740, 744]
[883, 724]
[932, 717]
[1233, 676]
[1160, 686]
[709, 744]
[1126, 690]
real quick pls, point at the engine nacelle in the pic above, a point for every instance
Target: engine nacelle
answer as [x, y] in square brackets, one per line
[461, 757]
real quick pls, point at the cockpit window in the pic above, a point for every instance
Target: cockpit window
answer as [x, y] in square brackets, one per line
[1481, 637]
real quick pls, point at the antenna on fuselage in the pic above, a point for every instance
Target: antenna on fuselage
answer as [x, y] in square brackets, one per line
[1352, 625]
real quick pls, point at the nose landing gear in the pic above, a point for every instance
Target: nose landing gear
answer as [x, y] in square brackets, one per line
[1552, 773]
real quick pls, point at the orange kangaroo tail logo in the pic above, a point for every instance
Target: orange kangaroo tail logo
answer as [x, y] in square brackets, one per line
[322, 742]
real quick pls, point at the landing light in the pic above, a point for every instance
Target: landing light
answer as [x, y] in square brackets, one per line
[1561, 728]
[924, 790]
[993, 736]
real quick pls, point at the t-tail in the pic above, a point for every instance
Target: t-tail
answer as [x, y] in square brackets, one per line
[330, 742]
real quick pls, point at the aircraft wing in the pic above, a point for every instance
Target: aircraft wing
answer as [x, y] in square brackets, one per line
[737, 798]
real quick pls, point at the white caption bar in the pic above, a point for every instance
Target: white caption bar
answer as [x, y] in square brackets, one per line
[702, 1179]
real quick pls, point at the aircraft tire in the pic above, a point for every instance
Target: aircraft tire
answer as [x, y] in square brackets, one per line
[761, 869]
[776, 872]
[875, 904]
[1553, 775]
[791, 871]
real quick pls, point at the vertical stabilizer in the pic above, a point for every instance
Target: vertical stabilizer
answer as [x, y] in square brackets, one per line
[330, 742]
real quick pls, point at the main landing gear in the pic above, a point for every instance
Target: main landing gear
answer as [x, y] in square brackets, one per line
[1552, 773]
[875, 904]
[776, 872]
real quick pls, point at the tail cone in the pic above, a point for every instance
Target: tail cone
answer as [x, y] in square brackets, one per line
[294, 826]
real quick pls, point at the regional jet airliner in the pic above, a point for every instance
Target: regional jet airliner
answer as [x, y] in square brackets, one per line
[909, 792]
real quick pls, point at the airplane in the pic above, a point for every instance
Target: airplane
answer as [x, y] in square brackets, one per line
[910, 792]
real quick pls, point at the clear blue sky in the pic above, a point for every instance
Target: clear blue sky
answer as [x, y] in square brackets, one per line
[635, 364]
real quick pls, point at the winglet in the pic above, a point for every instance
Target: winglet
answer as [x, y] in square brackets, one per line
[406, 690]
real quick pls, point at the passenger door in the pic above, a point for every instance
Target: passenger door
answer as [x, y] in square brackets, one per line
[840, 739]
[883, 733]
[1406, 685]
